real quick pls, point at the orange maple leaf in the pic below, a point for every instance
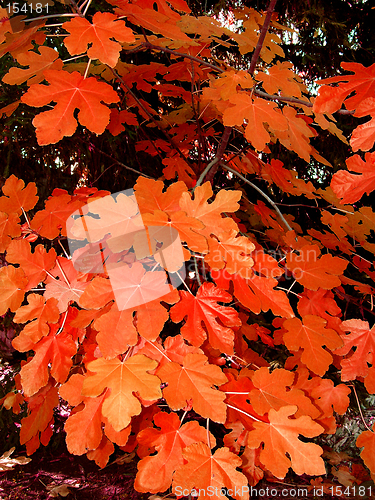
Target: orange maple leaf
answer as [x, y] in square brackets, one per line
[40, 312]
[55, 349]
[155, 473]
[117, 118]
[351, 187]
[256, 112]
[280, 437]
[363, 339]
[12, 288]
[330, 397]
[232, 252]
[47, 58]
[17, 196]
[271, 392]
[363, 136]
[9, 228]
[205, 308]
[123, 378]
[210, 213]
[104, 26]
[280, 77]
[312, 335]
[34, 264]
[206, 472]
[70, 91]
[314, 272]
[150, 196]
[194, 380]
[367, 440]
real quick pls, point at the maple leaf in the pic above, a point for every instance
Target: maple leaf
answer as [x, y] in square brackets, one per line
[363, 136]
[210, 213]
[47, 58]
[102, 453]
[41, 407]
[330, 397]
[280, 437]
[178, 167]
[204, 308]
[70, 91]
[270, 391]
[351, 187]
[55, 349]
[97, 293]
[40, 312]
[12, 288]
[363, 339]
[117, 118]
[9, 228]
[280, 77]
[150, 196]
[361, 84]
[296, 135]
[116, 332]
[206, 472]
[257, 293]
[17, 196]
[84, 428]
[314, 273]
[232, 252]
[256, 112]
[123, 378]
[33, 264]
[312, 335]
[367, 440]
[98, 33]
[52, 220]
[64, 283]
[194, 380]
[169, 443]
[21, 41]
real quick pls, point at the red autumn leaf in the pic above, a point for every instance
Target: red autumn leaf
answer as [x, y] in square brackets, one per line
[123, 378]
[117, 119]
[9, 228]
[296, 135]
[275, 389]
[320, 303]
[207, 472]
[169, 443]
[280, 437]
[70, 91]
[47, 58]
[17, 196]
[363, 137]
[351, 187]
[54, 349]
[98, 35]
[178, 167]
[13, 283]
[102, 453]
[363, 339]
[195, 380]
[314, 272]
[204, 308]
[40, 312]
[362, 84]
[34, 264]
[312, 335]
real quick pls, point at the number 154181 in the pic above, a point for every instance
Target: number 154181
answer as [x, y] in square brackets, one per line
[15, 8]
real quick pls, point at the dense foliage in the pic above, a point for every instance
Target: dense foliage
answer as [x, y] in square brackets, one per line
[215, 313]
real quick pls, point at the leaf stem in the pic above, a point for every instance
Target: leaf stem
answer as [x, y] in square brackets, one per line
[244, 412]
[359, 407]
[49, 16]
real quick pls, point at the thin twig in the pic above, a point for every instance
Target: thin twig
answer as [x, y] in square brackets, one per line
[244, 412]
[262, 36]
[359, 408]
[120, 163]
[49, 16]
[260, 192]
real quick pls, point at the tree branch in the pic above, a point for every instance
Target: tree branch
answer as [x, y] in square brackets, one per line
[262, 36]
